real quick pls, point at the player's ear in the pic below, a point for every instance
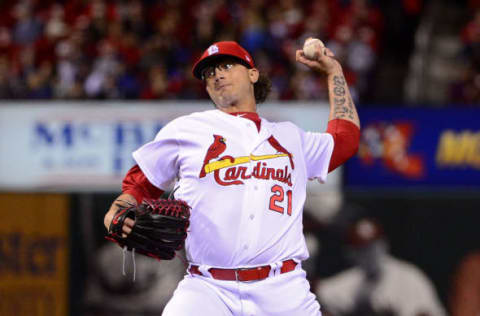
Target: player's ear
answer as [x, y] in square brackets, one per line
[253, 74]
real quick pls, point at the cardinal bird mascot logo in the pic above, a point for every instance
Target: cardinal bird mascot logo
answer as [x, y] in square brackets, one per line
[235, 169]
[275, 144]
[216, 149]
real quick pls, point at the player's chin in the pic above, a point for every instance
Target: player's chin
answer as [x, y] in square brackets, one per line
[223, 101]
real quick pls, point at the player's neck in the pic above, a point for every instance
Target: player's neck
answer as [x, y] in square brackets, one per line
[240, 107]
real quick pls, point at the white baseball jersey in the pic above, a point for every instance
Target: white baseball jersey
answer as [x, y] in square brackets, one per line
[246, 187]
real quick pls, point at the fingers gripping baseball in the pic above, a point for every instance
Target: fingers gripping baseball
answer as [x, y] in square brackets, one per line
[321, 59]
[319, 56]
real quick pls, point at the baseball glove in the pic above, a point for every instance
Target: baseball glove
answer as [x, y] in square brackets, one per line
[160, 227]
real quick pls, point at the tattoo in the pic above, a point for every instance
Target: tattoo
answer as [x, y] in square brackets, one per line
[339, 101]
[339, 91]
[339, 81]
[350, 105]
[341, 110]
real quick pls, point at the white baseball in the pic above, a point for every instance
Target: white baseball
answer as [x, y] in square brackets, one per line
[311, 46]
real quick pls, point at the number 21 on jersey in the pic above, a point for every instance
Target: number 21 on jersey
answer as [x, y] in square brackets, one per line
[277, 203]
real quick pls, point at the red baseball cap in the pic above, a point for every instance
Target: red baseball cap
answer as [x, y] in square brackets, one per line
[218, 49]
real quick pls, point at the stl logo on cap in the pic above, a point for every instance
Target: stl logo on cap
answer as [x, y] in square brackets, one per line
[212, 49]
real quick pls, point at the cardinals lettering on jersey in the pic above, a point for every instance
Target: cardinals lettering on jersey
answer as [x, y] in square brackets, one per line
[235, 173]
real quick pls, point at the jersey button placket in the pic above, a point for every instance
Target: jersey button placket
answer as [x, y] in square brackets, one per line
[252, 194]
[245, 222]
[255, 200]
[251, 227]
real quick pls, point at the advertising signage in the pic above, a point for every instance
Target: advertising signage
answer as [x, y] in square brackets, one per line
[415, 148]
[88, 146]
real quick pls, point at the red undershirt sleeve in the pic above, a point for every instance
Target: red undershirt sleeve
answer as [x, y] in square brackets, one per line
[136, 184]
[346, 138]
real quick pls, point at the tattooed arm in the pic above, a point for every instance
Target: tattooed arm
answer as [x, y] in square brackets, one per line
[343, 122]
[341, 103]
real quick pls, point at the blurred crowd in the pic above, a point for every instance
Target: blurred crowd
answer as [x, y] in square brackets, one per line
[144, 49]
[467, 88]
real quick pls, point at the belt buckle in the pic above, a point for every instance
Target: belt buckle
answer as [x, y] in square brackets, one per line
[237, 275]
[247, 269]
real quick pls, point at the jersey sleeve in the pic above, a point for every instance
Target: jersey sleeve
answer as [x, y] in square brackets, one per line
[158, 159]
[317, 150]
[346, 138]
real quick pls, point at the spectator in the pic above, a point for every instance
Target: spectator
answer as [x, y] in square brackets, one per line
[39, 82]
[27, 27]
[465, 293]
[66, 68]
[105, 69]
[6, 91]
[466, 88]
[378, 284]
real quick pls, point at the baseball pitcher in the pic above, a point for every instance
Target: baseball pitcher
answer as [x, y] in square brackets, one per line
[241, 185]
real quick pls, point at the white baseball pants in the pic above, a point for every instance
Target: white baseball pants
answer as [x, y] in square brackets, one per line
[286, 294]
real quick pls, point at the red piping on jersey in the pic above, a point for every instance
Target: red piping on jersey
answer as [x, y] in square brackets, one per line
[136, 184]
[346, 138]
